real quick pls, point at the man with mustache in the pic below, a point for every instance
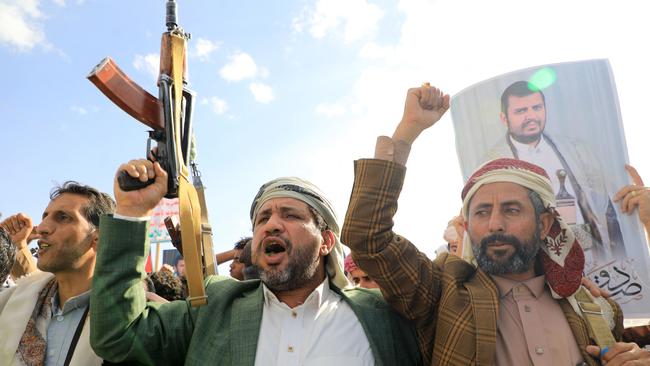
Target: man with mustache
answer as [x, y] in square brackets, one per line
[299, 313]
[514, 298]
[43, 319]
[575, 174]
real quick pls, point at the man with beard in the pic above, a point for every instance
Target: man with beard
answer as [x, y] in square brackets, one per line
[512, 299]
[43, 319]
[297, 314]
[576, 176]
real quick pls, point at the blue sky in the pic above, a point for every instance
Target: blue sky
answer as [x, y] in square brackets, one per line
[287, 88]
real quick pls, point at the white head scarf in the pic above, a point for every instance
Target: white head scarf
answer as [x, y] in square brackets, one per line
[305, 191]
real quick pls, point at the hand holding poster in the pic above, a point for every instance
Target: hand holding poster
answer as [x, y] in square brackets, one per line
[566, 119]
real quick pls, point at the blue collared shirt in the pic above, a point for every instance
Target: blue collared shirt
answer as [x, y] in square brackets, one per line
[63, 326]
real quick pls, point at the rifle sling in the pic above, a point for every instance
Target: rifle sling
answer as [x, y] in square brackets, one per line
[593, 315]
[190, 210]
[206, 232]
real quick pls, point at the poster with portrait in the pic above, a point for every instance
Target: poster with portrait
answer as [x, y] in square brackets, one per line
[565, 118]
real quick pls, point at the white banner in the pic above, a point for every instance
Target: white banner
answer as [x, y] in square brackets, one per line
[157, 230]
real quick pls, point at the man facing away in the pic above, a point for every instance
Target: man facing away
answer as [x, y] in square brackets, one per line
[298, 314]
[515, 296]
[43, 319]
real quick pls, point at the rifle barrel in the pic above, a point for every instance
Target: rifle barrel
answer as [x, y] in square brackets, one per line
[171, 18]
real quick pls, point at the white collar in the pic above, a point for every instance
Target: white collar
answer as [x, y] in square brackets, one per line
[316, 298]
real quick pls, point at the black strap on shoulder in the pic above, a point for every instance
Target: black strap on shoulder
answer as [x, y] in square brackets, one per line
[76, 336]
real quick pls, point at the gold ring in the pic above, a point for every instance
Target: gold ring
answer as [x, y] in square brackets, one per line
[426, 83]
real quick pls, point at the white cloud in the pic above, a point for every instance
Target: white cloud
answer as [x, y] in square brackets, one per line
[331, 110]
[79, 110]
[148, 63]
[353, 19]
[21, 25]
[374, 51]
[203, 48]
[218, 106]
[59, 2]
[241, 66]
[263, 93]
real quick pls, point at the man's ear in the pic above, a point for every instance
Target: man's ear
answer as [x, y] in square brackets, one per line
[504, 119]
[547, 221]
[328, 242]
[94, 239]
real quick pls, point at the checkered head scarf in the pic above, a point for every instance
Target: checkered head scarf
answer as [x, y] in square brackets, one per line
[305, 191]
[561, 256]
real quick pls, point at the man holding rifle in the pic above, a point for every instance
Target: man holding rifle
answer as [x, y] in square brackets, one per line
[298, 313]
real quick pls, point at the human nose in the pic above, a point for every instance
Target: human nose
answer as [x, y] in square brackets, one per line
[496, 223]
[44, 228]
[274, 224]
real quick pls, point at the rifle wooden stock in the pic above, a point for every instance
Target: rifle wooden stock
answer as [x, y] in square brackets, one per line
[126, 94]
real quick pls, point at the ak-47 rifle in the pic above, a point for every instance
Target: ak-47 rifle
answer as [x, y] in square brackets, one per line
[170, 117]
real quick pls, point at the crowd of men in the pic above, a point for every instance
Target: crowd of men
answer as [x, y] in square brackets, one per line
[500, 294]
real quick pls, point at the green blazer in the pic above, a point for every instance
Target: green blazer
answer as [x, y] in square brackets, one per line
[224, 332]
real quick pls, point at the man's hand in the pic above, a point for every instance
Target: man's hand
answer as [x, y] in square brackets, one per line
[635, 196]
[20, 229]
[621, 354]
[594, 289]
[141, 202]
[424, 106]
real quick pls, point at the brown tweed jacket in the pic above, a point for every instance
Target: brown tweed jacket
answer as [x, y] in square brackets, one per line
[454, 306]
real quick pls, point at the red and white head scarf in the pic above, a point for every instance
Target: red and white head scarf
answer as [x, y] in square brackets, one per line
[561, 256]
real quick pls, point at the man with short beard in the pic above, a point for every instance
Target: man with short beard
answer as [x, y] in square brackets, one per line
[513, 298]
[524, 114]
[43, 319]
[298, 313]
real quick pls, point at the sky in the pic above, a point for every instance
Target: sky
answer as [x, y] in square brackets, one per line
[297, 88]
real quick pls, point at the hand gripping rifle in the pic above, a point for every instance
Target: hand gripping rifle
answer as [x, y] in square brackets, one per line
[170, 117]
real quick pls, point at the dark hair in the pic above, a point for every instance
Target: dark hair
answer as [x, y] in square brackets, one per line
[246, 253]
[538, 204]
[7, 255]
[148, 283]
[98, 203]
[318, 219]
[167, 285]
[241, 243]
[518, 89]
[178, 258]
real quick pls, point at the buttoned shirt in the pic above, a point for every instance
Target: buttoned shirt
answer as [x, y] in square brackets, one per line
[63, 326]
[543, 155]
[322, 331]
[531, 327]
